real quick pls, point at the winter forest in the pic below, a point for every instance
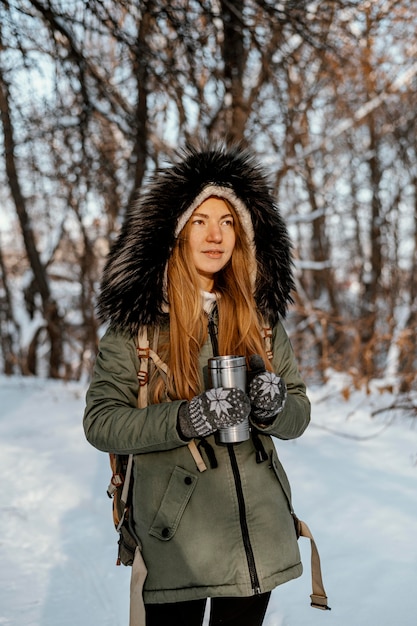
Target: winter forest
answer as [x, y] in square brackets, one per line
[95, 95]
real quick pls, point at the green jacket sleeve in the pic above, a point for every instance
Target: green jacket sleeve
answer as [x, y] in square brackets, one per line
[112, 422]
[295, 417]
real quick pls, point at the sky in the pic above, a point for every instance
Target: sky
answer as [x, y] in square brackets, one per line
[354, 482]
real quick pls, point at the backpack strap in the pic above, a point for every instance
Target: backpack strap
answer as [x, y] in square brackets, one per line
[318, 597]
[137, 613]
[267, 336]
[143, 373]
[145, 353]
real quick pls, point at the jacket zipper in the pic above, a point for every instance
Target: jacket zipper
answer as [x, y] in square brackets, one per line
[236, 474]
[243, 522]
[212, 328]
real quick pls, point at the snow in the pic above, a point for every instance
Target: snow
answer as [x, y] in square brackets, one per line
[354, 482]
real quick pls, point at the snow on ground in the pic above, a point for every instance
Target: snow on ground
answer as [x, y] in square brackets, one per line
[354, 482]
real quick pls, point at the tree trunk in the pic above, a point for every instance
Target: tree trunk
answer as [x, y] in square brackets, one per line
[408, 340]
[9, 328]
[140, 67]
[234, 55]
[49, 306]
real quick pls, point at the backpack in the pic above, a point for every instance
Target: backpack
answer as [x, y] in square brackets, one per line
[121, 484]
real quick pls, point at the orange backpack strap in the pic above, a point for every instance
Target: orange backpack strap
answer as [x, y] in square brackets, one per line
[267, 335]
[142, 350]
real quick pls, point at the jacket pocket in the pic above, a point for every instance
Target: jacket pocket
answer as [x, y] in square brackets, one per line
[282, 477]
[180, 487]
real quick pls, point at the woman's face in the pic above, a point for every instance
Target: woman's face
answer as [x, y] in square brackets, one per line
[211, 237]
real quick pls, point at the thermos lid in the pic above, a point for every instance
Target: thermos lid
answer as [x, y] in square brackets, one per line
[226, 362]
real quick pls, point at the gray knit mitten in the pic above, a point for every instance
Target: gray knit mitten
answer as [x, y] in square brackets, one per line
[267, 392]
[211, 410]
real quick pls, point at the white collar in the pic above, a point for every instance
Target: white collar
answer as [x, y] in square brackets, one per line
[209, 300]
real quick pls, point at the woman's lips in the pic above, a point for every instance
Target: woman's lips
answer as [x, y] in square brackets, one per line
[213, 254]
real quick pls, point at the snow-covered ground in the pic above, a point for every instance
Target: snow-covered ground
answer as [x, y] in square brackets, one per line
[354, 481]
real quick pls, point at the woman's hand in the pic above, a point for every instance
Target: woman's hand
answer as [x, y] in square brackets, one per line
[267, 392]
[211, 410]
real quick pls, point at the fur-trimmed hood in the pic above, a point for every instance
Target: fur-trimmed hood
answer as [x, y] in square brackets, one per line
[132, 288]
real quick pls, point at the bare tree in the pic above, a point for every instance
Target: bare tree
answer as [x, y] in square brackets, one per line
[311, 86]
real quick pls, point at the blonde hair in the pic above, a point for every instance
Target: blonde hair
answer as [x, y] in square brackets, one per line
[239, 329]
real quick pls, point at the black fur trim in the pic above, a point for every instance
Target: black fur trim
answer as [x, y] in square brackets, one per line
[132, 288]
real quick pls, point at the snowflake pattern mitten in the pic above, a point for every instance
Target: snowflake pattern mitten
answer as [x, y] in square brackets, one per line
[267, 393]
[211, 410]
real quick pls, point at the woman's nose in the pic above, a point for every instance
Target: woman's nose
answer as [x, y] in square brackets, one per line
[214, 233]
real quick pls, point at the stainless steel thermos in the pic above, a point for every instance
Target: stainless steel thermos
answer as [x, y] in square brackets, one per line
[230, 371]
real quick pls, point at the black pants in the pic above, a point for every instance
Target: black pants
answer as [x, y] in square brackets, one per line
[224, 612]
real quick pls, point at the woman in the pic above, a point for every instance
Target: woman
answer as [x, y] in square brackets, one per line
[204, 262]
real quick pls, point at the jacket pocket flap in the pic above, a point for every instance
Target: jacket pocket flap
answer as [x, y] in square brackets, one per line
[180, 487]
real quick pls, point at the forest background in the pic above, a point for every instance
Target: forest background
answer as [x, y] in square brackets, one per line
[95, 95]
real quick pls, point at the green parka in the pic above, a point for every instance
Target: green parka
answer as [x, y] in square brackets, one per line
[226, 531]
